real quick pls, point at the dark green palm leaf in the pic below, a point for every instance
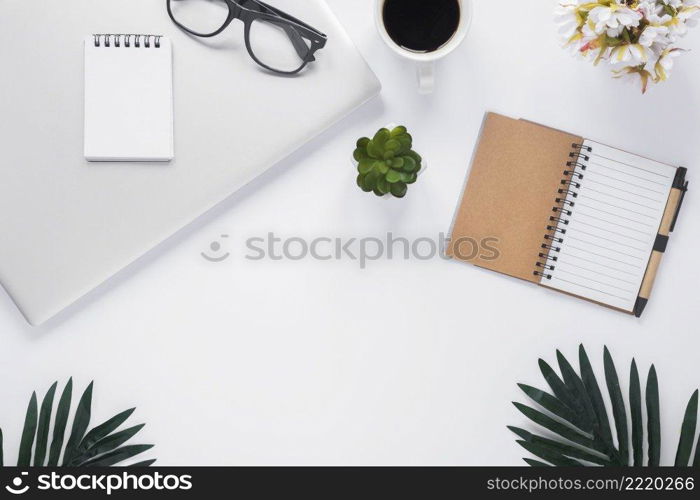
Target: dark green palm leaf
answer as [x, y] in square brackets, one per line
[99, 446]
[81, 420]
[590, 382]
[618, 406]
[535, 463]
[575, 384]
[637, 418]
[687, 440]
[653, 418]
[550, 403]
[30, 421]
[42, 433]
[582, 426]
[561, 448]
[118, 455]
[567, 398]
[549, 455]
[59, 428]
[104, 429]
[145, 463]
[557, 427]
[107, 444]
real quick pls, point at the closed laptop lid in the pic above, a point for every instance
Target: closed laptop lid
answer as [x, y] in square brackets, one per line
[69, 225]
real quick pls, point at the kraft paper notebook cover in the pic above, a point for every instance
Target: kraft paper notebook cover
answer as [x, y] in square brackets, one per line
[568, 213]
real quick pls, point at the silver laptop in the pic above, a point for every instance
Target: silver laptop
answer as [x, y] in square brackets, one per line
[67, 225]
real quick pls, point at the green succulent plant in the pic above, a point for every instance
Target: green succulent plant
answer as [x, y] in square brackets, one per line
[387, 163]
[579, 429]
[100, 446]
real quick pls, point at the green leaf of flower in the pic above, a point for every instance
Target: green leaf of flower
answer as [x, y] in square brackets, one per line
[409, 164]
[362, 143]
[381, 137]
[409, 178]
[365, 166]
[393, 176]
[362, 183]
[383, 186]
[400, 130]
[374, 151]
[392, 145]
[399, 189]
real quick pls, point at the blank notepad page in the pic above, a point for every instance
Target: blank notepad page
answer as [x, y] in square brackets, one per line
[128, 98]
[612, 214]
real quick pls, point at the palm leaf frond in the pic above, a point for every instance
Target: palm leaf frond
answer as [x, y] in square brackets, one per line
[81, 420]
[535, 463]
[104, 429]
[687, 439]
[27, 440]
[618, 406]
[59, 428]
[653, 418]
[555, 426]
[560, 448]
[118, 455]
[575, 384]
[145, 463]
[584, 432]
[602, 424]
[109, 443]
[100, 446]
[637, 416]
[42, 433]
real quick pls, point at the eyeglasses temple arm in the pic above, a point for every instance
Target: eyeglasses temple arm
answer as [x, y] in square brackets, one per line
[284, 15]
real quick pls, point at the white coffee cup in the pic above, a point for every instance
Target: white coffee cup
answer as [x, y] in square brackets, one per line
[425, 61]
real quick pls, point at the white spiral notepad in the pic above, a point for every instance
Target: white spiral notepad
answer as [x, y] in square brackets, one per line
[608, 225]
[128, 98]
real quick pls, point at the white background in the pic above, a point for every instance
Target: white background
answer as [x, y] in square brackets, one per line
[406, 362]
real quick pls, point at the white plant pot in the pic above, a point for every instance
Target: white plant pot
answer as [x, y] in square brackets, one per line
[424, 164]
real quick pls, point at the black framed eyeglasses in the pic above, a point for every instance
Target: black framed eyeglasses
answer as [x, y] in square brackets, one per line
[274, 39]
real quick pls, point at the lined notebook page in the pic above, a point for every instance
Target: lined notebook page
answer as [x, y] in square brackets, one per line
[610, 233]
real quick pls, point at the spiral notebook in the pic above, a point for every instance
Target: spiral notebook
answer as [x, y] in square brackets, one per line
[128, 98]
[567, 213]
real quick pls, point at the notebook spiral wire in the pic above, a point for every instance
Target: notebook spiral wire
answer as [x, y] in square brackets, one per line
[562, 210]
[127, 40]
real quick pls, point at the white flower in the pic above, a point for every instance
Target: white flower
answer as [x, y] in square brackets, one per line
[654, 35]
[568, 22]
[673, 3]
[632, 54]
[650, 7]
[614, 19]
[664, 64]
[637, 38]
[689, 12]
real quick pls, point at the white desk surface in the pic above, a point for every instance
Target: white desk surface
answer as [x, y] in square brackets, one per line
[405, 362]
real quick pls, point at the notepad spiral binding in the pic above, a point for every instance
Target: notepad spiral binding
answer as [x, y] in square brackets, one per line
[563, 209]
[127, 40]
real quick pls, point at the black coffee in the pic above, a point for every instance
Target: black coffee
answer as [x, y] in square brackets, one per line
[421, 25]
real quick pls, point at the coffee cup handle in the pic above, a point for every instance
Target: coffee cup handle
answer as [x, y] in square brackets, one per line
[426, 77]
